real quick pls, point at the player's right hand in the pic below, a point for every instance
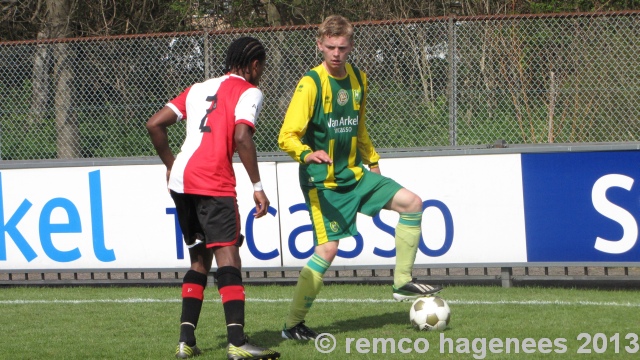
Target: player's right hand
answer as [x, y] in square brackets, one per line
[318, 157]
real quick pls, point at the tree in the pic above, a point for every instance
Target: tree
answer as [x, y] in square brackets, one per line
[51, 75]
[24, 19]
[58, 14]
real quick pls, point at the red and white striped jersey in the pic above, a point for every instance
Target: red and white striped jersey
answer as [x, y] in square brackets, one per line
[212, 109]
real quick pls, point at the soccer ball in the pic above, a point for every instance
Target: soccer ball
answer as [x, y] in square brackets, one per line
[430, 313]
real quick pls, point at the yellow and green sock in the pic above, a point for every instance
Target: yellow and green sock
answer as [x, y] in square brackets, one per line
[308, 287]
[407, 239]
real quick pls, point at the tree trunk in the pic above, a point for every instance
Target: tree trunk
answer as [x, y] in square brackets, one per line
[273, 16]
[58, 18]
[40, 86]
[66, 119]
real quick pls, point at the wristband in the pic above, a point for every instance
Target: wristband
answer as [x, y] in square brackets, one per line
[257, 186]
[373, 165]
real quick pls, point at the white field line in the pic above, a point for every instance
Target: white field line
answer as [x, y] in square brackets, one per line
[342, 300]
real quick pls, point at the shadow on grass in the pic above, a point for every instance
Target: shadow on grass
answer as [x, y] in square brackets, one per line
[274, 338]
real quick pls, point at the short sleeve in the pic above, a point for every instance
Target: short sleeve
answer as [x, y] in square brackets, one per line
[179, 105]
[249, 106]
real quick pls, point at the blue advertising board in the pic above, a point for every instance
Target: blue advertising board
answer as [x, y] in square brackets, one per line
[582, 207]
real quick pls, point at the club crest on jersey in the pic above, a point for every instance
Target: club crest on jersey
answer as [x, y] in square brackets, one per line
[343, 97]
[357, 95]
[334, 226]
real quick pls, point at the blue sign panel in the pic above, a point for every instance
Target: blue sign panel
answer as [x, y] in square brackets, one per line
[582, 206]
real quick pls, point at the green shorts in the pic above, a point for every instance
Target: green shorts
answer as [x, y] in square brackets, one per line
[333, 212]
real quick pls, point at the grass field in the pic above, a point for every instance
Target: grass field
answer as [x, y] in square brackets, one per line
[142, 323]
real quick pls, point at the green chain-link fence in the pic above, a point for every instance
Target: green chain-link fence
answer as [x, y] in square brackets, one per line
[441, 82]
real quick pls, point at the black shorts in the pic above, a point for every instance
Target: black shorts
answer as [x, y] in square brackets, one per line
[214, 220]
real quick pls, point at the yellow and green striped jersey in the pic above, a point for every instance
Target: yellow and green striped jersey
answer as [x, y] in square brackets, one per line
[328, 113]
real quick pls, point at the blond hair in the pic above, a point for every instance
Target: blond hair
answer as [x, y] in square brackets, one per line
[335, 25]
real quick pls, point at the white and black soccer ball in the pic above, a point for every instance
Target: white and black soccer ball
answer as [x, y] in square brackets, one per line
[430, 313]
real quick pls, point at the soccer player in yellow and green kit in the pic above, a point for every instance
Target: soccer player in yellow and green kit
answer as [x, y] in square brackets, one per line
[324, 130]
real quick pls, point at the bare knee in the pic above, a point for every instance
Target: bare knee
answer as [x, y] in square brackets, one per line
[201, 259]
[405, 201]
[415, 204]
[200, 268]
[328, 250]
[228, 256]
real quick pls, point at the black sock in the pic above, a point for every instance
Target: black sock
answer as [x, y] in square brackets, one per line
[193, 286]
[187, 334]
[235, 334]
[232, 293]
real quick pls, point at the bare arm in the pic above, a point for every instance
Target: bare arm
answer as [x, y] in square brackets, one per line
[157, 128]
[246, 148]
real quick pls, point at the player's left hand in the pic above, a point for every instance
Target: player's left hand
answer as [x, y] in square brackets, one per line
[262, 203]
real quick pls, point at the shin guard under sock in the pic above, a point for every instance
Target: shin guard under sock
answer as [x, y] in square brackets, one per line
[232, 295]
[193, 285]
[308, 287]
[407, 239]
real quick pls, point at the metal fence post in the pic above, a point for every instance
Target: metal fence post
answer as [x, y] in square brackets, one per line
[453, 9]
[207, 55]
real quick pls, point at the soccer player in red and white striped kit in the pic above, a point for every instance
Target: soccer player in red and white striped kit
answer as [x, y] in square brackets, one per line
[220, 115]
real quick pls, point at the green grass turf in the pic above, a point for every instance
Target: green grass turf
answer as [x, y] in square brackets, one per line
[142, 323]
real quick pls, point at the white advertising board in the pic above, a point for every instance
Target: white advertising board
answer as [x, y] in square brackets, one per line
[122, 217]
[109, 217]
[473, 213]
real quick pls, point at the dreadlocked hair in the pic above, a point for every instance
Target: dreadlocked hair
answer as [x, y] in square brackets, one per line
[242, 52]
